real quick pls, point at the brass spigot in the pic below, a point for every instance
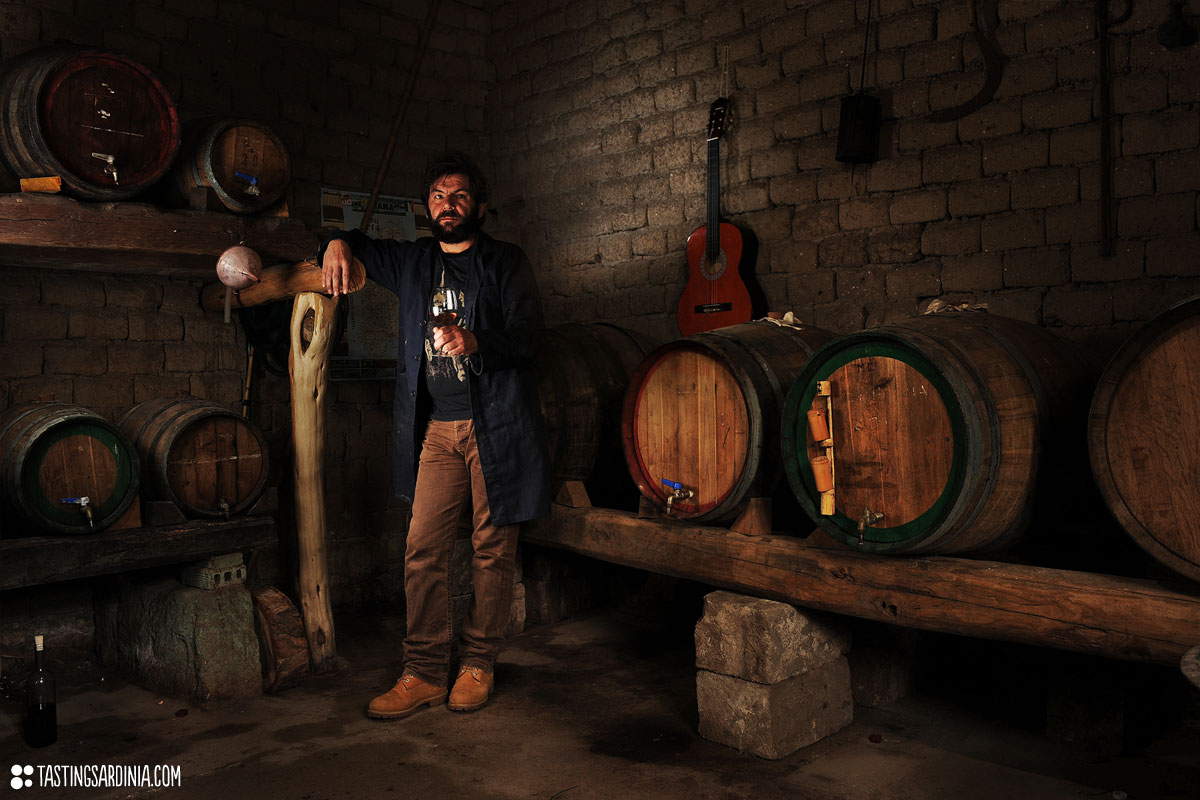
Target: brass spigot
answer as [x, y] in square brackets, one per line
[677, 493]
[84, 504]
[868, 519]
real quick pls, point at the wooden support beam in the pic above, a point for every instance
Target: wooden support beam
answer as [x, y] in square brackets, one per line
[35, 560]
[276, 283]
[308, 364]
[1126, 618]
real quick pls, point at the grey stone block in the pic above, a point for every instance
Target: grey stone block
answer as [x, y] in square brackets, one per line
[775, 720]
[764, 640]
[184, 642]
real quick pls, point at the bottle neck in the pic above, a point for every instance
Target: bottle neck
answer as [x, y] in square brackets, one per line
[39, 659]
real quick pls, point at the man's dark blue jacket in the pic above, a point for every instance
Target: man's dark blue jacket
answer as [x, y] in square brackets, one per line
[504, 312]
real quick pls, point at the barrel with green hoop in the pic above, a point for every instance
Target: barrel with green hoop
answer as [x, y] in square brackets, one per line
[64, 469]
[939, 430]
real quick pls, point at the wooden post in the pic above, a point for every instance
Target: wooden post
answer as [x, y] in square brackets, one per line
[307, 365]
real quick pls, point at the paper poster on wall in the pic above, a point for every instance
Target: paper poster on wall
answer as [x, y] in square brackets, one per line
[369, 348]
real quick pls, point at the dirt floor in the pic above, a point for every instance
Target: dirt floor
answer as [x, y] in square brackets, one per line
[593, 707]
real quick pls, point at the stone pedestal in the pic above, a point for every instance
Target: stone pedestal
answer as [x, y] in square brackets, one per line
[188, 643]
[772, 678]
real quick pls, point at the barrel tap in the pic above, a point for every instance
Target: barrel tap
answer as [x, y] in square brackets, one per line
[677, 493]
[84, 506]
[869, 518]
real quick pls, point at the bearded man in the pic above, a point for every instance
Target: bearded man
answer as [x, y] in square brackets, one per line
[467, 426]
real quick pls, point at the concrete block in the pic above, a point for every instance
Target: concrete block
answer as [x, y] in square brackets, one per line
[764, 640]
[184, 642]
[775, 720]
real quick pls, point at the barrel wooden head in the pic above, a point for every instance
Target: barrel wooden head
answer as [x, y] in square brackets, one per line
[936, 430]
[64, 469]
[203, 457]
[700, 424]
[1144, 437]
[242, 162]
[99, 120]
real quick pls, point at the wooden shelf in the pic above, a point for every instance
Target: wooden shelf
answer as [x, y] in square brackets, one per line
[56, 232]
[36, 560]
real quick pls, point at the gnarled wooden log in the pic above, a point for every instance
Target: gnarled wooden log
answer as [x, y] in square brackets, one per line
[308, 364]
[1126, 618]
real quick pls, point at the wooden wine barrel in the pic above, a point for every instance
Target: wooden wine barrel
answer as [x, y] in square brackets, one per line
[583, 372]
[704, 411]
[203, 457]
[242, 161]
[100, 121]
[54, 454]
[942, 424]
[1144, 437]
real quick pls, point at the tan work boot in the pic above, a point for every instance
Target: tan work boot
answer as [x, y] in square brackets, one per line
[406, 697]
[471, 690]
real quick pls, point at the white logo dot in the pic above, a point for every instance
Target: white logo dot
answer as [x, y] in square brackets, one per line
[16, 769]
[16, 783]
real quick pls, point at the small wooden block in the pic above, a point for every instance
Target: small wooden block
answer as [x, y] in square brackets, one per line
[573, 494]
[161, 512]
[647, 509]
[755, 519]
[132, 518]
[51, 184]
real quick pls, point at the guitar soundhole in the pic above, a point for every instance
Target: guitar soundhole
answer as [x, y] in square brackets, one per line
[714, 269]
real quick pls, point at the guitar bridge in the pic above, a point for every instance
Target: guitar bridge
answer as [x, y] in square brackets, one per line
[712, 308]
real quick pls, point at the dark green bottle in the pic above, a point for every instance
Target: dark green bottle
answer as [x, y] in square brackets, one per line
[41, 723]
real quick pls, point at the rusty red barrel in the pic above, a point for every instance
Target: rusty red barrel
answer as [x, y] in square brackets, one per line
[208, 460]
[63, 469]
[242, 163]
[100, 121]
[700, 423]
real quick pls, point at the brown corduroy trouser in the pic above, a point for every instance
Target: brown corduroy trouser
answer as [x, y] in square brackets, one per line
[449, 476]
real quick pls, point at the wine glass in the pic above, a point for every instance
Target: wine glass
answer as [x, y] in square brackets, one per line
[444, 307]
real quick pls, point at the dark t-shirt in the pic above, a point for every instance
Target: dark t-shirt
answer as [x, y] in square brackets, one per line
[446, 376]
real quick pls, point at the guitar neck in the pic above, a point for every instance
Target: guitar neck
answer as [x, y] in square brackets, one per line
[713, 224]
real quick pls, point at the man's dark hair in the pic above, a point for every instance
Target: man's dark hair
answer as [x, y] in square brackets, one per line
[452, 162]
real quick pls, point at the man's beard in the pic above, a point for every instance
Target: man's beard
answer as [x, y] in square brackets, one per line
[464, 230]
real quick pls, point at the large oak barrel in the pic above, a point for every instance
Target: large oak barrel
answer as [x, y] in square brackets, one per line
[203, 457]
[583, 372]
[943, 424]
[702, 415]
[100, 121]
[1144, 437]
[242, 161]
[52, 455]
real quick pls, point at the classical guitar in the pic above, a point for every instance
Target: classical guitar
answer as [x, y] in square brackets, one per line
[715, 294]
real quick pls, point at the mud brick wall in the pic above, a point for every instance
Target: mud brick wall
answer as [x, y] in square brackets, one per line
[590, 117]
[600, 111]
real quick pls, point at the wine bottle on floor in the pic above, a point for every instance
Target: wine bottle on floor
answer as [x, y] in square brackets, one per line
[41, 724]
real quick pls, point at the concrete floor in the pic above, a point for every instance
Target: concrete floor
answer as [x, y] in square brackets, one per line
[594, 707]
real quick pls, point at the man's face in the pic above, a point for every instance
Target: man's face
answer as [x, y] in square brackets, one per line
[453, 213]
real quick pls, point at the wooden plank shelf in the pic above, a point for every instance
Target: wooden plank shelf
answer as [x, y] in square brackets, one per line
[35, 560]
[56, 232]
[1117, 617]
